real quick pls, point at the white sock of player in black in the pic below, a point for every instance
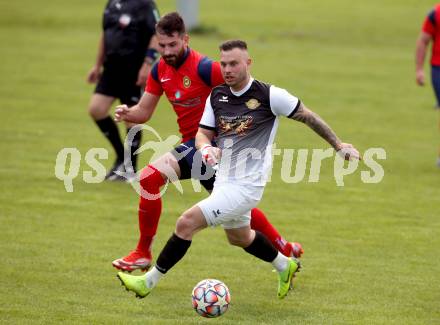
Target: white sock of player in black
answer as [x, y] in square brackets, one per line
[152, 277]
[281, 262]
[174, 250]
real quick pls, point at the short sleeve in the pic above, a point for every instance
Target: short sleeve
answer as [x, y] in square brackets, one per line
[209, 72]
[429, 25]
[282, 102]
[208, 118]
[153, 85]
[216, 75]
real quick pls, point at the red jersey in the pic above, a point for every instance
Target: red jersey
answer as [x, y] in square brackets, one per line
[186, 88]
[431, 27]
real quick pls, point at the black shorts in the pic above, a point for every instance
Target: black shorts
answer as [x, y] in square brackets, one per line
[191, 165]
[119, 81]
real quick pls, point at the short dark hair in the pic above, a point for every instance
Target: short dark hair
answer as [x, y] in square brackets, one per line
[171, 23]
[232, 44]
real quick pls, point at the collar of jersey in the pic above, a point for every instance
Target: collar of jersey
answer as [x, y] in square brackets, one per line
[185, 56]
[245, 89]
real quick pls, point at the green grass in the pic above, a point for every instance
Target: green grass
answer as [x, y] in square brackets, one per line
[372, 250]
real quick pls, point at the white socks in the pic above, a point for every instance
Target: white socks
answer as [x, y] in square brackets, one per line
[152, 277]
[280, 262]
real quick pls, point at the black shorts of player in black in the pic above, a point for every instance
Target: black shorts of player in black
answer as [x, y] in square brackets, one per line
[128, 26]
[119, 80]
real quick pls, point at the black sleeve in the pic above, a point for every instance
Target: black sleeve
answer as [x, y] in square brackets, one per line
[152, 17]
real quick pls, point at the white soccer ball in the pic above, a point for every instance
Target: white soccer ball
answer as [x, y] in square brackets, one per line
[211, 298]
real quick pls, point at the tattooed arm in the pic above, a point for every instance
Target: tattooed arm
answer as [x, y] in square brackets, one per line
[317, 124]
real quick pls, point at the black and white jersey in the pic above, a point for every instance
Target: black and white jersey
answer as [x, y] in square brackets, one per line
[246, 124]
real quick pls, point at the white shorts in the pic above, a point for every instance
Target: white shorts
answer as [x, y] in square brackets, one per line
[230, 205]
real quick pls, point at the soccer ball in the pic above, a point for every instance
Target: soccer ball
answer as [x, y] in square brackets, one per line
[211, 298]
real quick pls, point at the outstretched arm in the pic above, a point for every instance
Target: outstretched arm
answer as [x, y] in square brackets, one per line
[317, 124]
[139, 113]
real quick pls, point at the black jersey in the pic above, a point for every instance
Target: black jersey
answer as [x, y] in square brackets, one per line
[128, 27]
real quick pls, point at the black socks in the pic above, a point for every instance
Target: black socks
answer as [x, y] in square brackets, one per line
[262, 248]
[176, 248]
[111, 132]
[172, 253]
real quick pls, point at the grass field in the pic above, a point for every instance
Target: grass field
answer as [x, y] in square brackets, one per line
[372, 251]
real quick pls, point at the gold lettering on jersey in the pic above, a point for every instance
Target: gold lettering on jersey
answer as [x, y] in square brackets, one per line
[186, 82]
[253, 103]
[238, 125]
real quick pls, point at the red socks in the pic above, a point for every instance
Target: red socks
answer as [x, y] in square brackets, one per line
[260, 223]
[150, 207]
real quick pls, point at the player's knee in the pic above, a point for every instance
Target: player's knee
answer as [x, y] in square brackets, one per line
[97, 112]
[151, 179]
[185, 226]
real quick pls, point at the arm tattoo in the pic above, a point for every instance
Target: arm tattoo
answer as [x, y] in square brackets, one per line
[316, 123]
